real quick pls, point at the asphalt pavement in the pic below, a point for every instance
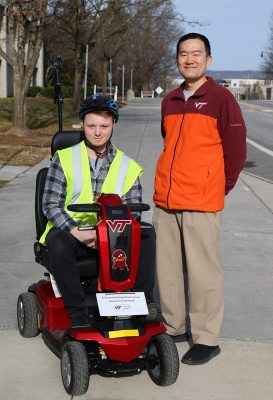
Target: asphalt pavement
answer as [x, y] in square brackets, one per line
[243, 370]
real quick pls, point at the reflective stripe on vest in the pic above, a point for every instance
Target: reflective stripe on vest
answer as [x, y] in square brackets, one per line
[78, 179]
[123, 169]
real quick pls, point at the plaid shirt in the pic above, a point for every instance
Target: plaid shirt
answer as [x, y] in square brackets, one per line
[55, 190]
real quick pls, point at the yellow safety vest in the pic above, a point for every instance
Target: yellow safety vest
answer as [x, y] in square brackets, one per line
[121, 176]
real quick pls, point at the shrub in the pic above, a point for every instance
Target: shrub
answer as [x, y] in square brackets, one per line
[48, 91]
[33, 91]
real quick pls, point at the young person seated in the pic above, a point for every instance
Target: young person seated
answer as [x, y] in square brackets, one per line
[83, 172]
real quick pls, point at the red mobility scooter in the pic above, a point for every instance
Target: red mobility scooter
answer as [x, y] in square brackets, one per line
[120, 341]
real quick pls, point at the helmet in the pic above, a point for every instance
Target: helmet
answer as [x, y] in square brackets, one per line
[99, 102]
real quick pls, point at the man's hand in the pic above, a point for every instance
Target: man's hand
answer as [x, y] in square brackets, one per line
[87, 237]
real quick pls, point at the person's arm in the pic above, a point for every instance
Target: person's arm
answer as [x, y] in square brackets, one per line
[232, 129]
[87, 237]
[54, 197]
[163, 107]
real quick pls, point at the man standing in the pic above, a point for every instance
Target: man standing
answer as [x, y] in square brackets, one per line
[204, 151]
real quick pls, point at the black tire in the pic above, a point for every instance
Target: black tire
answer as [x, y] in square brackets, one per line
[74, 368]
[164, 369]
[27, 315]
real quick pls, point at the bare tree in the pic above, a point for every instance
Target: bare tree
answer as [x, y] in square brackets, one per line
[108, 28]
[149, 48]
[79, 23]
[25, 23]
[112, 27]
[267, 54]
[73, 30]
[139, 35]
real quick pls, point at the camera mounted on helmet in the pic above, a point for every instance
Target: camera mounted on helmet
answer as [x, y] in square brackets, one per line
[99, 102]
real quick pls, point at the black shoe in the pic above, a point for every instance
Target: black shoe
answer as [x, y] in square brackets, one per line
[81, 321]
[184, 337]
[200, 354]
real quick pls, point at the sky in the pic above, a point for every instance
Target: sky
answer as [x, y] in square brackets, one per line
[238, 30]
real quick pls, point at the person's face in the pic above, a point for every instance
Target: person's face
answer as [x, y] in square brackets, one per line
[98, 130]
[192, 61]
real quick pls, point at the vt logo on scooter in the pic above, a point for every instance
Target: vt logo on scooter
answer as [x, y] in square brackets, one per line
[118, 225]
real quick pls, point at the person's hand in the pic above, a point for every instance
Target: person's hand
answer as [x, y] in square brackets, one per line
[87, 237]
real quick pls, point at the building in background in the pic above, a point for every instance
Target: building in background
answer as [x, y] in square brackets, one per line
[249, 89]
[6, 72]
[238, 82]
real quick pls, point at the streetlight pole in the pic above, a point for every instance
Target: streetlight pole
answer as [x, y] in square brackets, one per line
[132, 71]
[123, 71]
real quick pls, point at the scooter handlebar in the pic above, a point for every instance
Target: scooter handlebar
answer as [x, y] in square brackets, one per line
[95, 207]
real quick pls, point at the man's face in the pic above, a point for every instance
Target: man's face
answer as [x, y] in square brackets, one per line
[98, 130]
[192, 61]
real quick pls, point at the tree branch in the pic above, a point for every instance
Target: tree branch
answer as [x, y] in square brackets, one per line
[6, 57]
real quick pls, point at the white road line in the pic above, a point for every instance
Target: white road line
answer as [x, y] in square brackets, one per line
[258, 146]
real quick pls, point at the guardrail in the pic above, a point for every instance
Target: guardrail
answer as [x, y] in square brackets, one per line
[147, 93]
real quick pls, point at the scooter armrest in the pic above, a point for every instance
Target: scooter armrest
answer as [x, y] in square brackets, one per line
[93, 207]
[139, 207]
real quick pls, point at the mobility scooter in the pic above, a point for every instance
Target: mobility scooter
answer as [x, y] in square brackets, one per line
[120, 339]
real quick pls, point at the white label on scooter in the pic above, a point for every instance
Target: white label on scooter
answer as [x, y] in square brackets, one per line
[122, 304]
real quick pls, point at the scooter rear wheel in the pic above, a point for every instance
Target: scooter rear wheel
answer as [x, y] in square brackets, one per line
[74, 368]
[164, 369]
[27, 315]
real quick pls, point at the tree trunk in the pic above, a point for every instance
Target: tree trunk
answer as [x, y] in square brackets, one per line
[19, 99]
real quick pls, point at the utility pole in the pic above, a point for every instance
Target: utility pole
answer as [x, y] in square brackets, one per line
[86, 71]
[110, 78]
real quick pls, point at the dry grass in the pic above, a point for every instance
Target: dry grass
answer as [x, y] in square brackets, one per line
[31, 145]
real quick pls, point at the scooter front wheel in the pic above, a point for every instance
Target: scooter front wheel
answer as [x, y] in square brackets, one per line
[74, 368]
[164, 360]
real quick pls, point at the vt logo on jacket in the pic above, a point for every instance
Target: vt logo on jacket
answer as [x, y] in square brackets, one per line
[199, 105]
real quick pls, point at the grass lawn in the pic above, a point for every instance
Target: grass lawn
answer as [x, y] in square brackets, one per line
[33, 144]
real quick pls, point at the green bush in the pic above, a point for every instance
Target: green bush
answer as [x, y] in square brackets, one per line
[33, 91]
[67, 91]
[48, 91]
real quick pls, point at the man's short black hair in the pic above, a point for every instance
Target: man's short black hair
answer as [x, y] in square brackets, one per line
[194, 35]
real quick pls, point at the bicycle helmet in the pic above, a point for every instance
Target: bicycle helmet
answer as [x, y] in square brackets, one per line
[99, 102]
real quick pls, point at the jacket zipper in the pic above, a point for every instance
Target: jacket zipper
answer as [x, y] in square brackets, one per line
[168, 195]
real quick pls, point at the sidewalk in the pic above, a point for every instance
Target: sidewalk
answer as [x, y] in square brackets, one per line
[9, 172]
[243, 371]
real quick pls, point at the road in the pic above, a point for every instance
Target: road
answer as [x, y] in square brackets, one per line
[259, 120]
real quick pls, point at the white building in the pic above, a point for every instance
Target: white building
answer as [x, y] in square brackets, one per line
[250, 89]
[6, 73]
